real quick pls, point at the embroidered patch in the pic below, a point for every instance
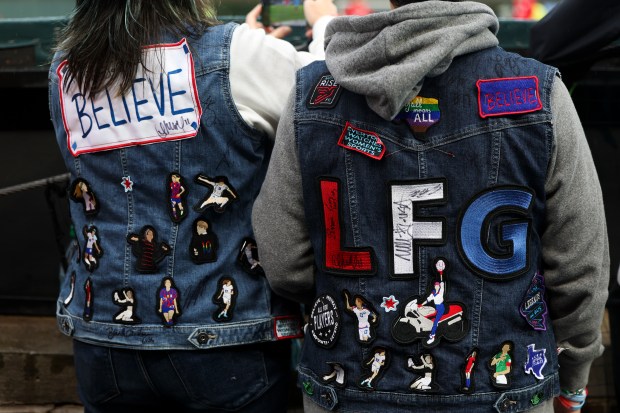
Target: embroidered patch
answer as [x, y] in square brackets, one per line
[507, 208]
[508, 96]
[204, 244]
[127, 183]
[536, 361]
[336, 375]
[364, 312]
[87, 314]
[221, 193]
[420, 113]
[168, 299]
[324, 322]
[161, 105]
[534, 307]
[148, 251]
[325, 94]
[225, 297]
[365, 142]
[419, 321]
[501, 366]
[425, 368]
[177, 195]
[248, 257]
[390, 303]
[92, 250]
[126, 298]
[69, 297]
[82, 193]
[408, 230]
[338, 259]
[467, 373]
[287, 327]
[377, 363]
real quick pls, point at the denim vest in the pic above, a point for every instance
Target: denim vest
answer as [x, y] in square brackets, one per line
[114, 292]
[426, 234]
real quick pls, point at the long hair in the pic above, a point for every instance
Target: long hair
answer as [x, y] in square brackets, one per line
[103, 40]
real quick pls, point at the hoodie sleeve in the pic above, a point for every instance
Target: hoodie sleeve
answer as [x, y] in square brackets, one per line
[279, 221]
[575, 245]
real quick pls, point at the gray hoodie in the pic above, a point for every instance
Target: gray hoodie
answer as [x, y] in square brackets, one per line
[386, 56]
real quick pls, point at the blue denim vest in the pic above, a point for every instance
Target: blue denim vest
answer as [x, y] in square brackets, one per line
[133, 189]
[437, 220]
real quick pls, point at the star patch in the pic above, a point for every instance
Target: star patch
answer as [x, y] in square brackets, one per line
[92, 250]
[325, 94]
[365, 142]
[225, 297]
[534, 307]
[168, 298]
[508, 96]
[127, 183]
[204, 244]
[420, 113]
[147, 249]
[324, 322]
[221, 193]
[82, 193]
[390, 303]
[536, 361]
[125, 298]
[367, 318]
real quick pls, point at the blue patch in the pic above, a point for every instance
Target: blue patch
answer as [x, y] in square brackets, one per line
[536, 361]
[508, 96]
[534, 307]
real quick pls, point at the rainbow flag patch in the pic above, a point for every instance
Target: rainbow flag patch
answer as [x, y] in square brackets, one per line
[420, 113]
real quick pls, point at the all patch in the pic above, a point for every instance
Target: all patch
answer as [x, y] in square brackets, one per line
[324, 322]
[508, 96]
[365, 142]
[534, 307]
[420, 113]
[325, 94]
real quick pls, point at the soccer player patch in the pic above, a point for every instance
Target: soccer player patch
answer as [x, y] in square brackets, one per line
[365, 314]
[225, 297]
[221, 193]
[204, 244]
[425, 368]
[126, 299]
[147, 249]
[501, 366]
[325, 93]
[177, 196]
[82, 193]
[508, 96]
[92, 249]
[168, 299]
[420, 113]
[365, 142]
[377, 363]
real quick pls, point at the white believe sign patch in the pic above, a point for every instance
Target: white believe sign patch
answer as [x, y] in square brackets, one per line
[161, 105]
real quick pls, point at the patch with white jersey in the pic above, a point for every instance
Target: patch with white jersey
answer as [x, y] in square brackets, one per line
[161, 105]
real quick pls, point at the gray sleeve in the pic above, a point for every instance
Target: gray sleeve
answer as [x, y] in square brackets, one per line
[575, 245]
[279, 221]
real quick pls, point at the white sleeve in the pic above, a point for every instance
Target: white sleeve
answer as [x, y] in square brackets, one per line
[262, 73]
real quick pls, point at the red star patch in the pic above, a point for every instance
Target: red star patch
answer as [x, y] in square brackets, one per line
[127, 183]
[389, 303]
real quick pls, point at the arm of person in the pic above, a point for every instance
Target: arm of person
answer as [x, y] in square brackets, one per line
[575, 245]
[262, 67]
[279, 221]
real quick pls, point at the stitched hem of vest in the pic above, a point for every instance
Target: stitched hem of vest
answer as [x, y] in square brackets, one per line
[512, 400]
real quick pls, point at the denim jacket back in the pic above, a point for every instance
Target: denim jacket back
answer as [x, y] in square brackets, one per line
[167, 260]
[426, 232]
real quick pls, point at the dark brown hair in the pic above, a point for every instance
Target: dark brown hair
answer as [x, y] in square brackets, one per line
[103, 40]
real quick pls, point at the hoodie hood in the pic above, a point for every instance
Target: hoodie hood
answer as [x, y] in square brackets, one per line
[386, 56]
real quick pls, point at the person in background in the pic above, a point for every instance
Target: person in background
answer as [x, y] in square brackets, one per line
[140, 90]
[419, 140]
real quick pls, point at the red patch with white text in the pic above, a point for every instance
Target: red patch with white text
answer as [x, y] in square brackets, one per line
[365, 142]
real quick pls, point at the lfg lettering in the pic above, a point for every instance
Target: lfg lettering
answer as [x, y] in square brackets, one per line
[409, 230]
[162, 104]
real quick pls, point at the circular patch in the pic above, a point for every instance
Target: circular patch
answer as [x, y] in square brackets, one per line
[325, 321]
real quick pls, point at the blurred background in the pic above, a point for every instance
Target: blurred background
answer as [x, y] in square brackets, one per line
[36, 370]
